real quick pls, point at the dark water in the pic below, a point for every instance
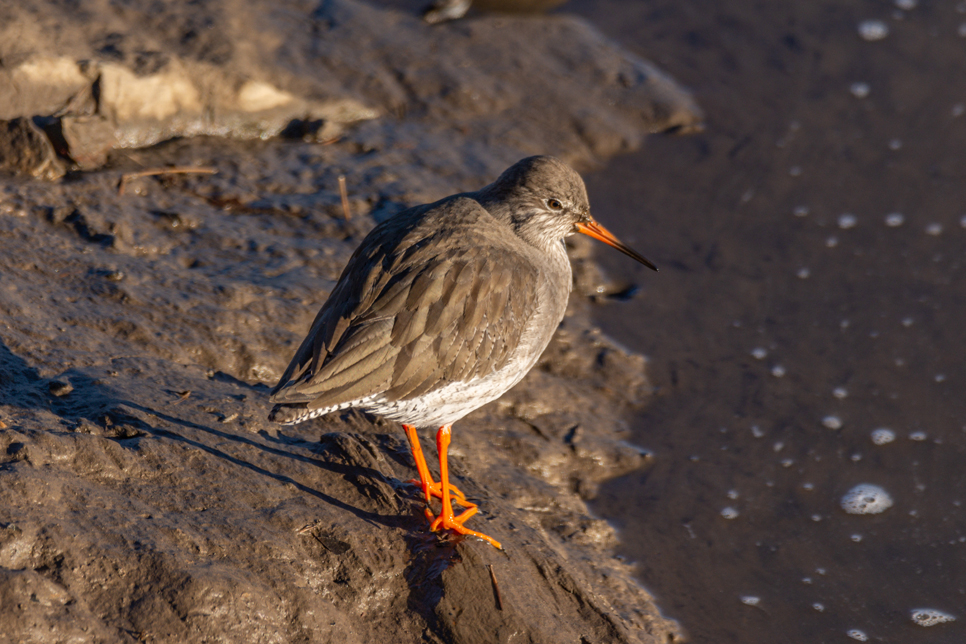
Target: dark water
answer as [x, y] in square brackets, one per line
[781, 333]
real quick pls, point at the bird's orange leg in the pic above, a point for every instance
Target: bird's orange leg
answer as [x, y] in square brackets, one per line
[446, 520]
[430, 487]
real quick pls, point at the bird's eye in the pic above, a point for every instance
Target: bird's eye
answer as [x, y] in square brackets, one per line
[554, 204]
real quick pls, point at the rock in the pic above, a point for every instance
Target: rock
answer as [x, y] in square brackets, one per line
[25, 149]
[105, 82]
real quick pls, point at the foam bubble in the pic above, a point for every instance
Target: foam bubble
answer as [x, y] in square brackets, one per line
[872, 30]
[832, 241]
[803, 273]
[801, 211]
[856, 538]
[882, 436]
[778, 371]
[856, 634]
[759, 353]
[750, 600]
[860, 90]
[819, 607]
[832, 422]
[840, 392]
[848, 220]
[894, 219]
[930, 617]
[729, 513]
[934, 229]
[866, 498]
[917, 436]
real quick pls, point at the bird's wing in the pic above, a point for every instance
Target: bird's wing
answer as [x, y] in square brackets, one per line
[439, 305]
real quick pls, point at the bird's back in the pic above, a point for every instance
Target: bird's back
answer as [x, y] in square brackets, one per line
[437, 297]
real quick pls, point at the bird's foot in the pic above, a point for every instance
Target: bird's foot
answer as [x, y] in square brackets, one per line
[446, 521]
[433, 489]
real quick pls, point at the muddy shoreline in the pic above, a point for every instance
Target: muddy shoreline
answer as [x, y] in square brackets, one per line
[145, 497]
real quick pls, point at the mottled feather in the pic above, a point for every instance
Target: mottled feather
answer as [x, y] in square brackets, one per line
[414, 310]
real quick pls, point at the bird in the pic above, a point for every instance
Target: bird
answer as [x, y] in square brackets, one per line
[444, 10]
[441, 309]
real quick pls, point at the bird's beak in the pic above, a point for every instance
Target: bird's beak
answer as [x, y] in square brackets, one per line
[593, 229]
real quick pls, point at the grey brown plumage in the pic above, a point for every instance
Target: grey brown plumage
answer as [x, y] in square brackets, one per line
[444, 307]
[418, 304]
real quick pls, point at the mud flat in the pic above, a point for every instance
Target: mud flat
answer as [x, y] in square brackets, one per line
[143, 494]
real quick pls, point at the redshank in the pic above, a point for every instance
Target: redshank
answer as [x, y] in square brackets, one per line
[442, 309]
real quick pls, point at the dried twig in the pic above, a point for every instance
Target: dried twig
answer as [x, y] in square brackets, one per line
[496, 588]
[345, 198]
[127, 176]
[182, 396]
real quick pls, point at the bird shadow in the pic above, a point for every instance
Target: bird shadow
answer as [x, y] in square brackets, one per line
[91, 405]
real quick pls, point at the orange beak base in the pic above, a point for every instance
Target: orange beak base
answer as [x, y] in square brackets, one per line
[598, 232]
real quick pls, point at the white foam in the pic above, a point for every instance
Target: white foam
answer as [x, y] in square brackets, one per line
[872, 30]
[856, 634]
[832, 422]
[866, 498]
[848, 220]
[750, 600]
[882, 436]
[729, 513]
[917, 436]
[840, 392]
[860, 90]
[759, 353]
[819, 607]
[778, 371]
[894, 219]
[930, 617]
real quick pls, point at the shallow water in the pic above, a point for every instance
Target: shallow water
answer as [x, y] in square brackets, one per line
[794, 315]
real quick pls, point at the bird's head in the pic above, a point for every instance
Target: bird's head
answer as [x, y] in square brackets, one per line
[545, 200]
